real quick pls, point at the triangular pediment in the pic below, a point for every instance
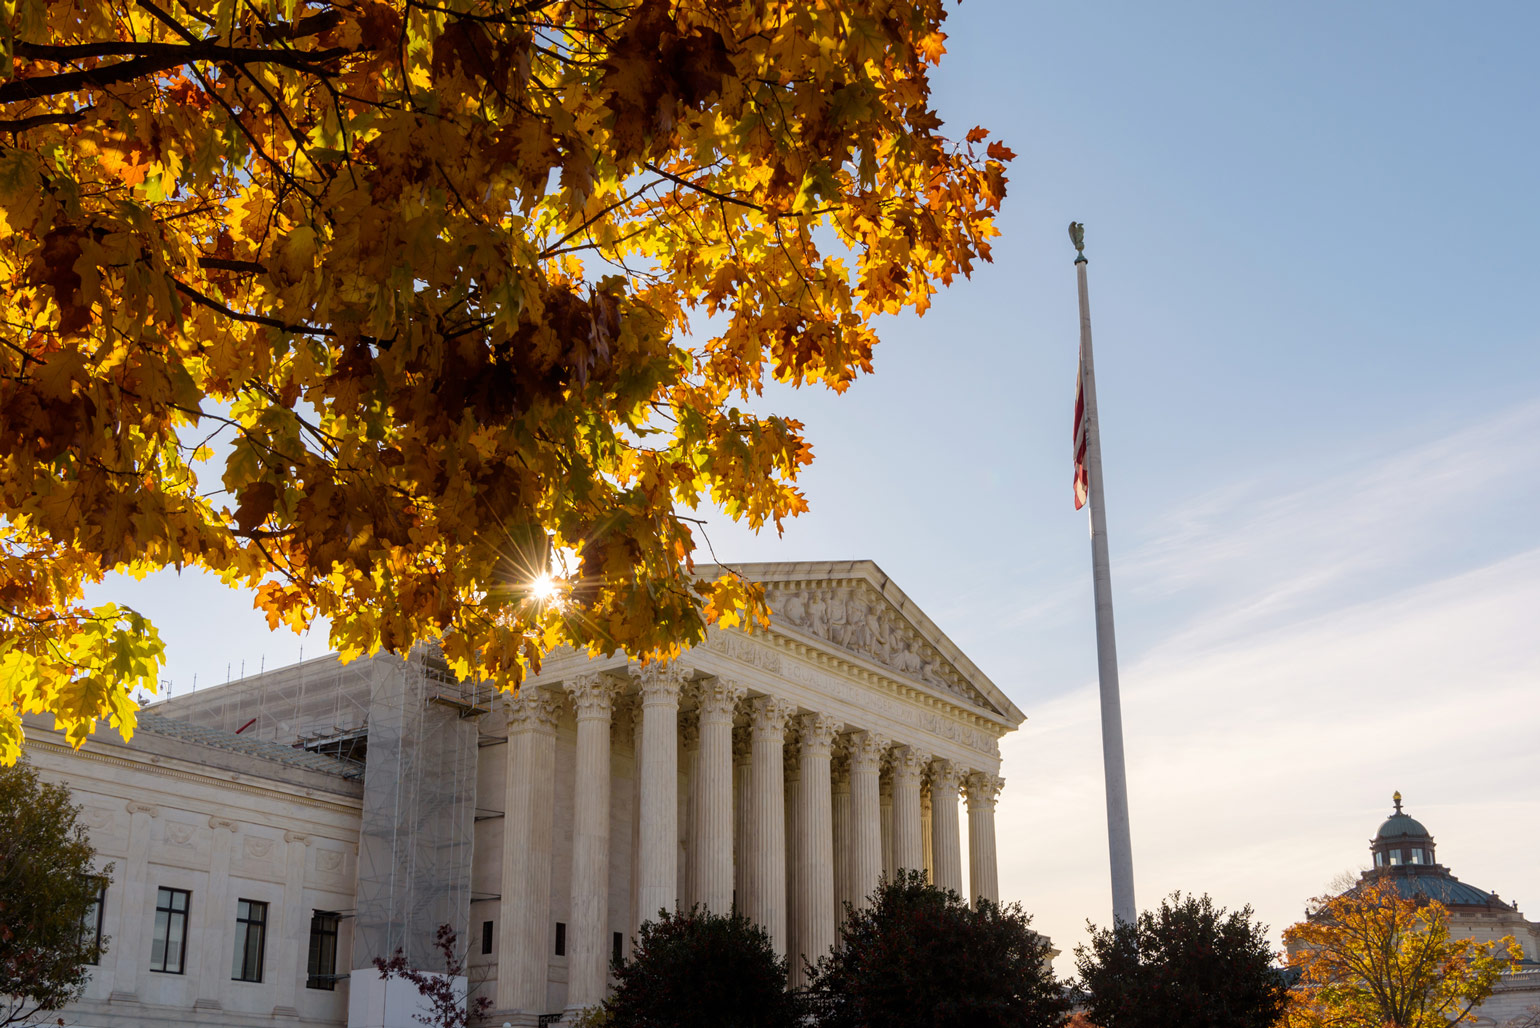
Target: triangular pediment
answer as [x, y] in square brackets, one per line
[852, 610]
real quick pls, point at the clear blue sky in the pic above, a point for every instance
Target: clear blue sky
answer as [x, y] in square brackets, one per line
[1313, 233]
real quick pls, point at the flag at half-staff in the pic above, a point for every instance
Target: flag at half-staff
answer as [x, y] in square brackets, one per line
[1088, 489]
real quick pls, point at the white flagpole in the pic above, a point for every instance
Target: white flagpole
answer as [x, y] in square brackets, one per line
[1119, 846]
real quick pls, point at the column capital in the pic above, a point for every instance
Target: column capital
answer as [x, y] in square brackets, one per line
[945, 776]
[866, 751]
[743, 744]
[531, 709]
[593, 695]
[660, 681]
[768, 716]
[815, 733]
[983, 790]
[718, 698]
[908, 765]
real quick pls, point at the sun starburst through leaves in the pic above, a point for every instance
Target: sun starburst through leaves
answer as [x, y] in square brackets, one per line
[424, 275]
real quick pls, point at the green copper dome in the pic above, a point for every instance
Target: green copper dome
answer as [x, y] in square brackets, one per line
[1399, 824]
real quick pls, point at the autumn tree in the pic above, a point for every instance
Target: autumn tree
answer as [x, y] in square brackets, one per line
[370, 305]
[916, 956]
[1371, 958]
[1187, 962]
[48, 889]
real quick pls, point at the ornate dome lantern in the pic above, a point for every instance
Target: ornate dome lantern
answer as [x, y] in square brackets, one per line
[1402, 841]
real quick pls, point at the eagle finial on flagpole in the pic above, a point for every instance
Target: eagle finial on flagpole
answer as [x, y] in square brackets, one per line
[1077, 236]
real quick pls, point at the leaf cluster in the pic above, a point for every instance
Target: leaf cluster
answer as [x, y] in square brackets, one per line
[916, 956]
[1186, 962]
[48, 884]
[365, 304]
[697, 969]
[1371, 958]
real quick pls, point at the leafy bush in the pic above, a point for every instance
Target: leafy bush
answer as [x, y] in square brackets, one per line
[919, 957]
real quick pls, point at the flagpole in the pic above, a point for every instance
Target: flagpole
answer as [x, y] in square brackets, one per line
[1119, 846]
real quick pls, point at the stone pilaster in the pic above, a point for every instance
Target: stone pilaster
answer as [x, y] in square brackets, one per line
[765, 868]
[866, 753]
[814, 897]
[946, 841]
[658, 866]
[908, 851]
[292, 936]
[216, 907]
[885, 791]
[983, 869]
[593, 697]
[529, 810]
[712, 835]
[136, 913]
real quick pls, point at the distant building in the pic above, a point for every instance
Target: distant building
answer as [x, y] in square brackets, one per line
[1402, 851]
[272, 836]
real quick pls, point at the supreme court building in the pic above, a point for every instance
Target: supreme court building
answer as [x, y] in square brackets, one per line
[274, 835]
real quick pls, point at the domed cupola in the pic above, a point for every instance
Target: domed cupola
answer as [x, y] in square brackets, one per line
[1402, 841]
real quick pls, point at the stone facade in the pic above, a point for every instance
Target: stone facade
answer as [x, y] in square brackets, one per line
[781, 771]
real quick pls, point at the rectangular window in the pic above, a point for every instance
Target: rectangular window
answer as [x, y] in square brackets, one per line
[486, 936]
[561, 939]
[617, 944]
[168, 948]
[91, 924]
[1395, 858]
[321, 972]
[250, 940]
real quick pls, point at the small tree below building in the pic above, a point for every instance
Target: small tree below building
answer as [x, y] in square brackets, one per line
[1186, 963]
[696, 969]
[919, 957]
[49, 898]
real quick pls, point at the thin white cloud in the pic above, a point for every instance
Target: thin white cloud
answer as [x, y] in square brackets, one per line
[1324, 667]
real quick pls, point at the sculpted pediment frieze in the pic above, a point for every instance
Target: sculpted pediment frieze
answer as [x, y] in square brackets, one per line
[853, 617]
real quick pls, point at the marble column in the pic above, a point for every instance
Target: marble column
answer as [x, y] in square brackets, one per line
[908, 851]
[743, 777]
[814, 897]
[983, 869]
[885, 791]
[866, 864]
[593, 697]
[529, 810]
[842, 829]
[634, 721]
[946, 841]
[765, 866]
[712, 834]
[292, 936]
[688, 857]
[792, 763]
[658, 868]
[927, 855]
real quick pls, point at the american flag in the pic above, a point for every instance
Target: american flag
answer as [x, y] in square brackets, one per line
[1082, 484]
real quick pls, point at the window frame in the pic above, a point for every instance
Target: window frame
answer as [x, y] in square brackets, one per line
[165, 898]
[324, 925]
[487, 935]
[91, 934]
[253, 923]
